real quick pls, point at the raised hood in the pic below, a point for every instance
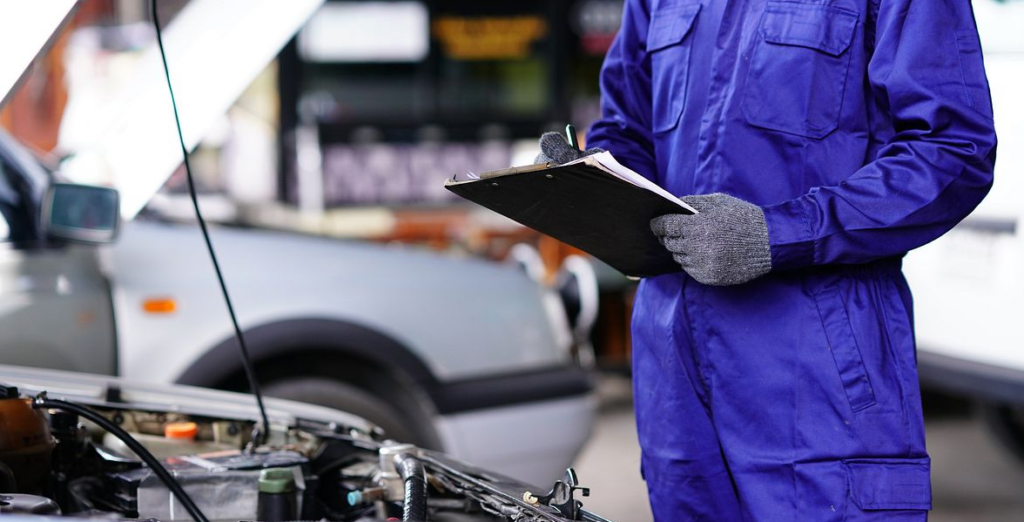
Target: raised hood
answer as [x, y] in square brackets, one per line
[25, 30]
[215, 49]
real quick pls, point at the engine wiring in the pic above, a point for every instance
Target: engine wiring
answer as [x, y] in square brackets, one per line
[259, 436]
[349, 468]
[477, 489]
[42, 401]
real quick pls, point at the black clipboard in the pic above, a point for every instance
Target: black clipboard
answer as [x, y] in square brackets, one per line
[584, 205]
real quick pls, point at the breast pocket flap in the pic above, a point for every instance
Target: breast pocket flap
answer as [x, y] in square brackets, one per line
[670, 25]
[823, 28]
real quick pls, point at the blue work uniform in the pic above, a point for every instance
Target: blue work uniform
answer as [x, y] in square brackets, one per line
[863, 129]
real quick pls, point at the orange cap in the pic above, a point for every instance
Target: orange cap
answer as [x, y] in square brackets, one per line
[181, 430]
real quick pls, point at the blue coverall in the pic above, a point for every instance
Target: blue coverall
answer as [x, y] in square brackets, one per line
[863, 129]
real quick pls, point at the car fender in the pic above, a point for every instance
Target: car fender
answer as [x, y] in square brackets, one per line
[462, 318]
[323, 340]
[325, 336]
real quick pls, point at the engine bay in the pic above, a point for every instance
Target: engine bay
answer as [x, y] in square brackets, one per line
[60, 458]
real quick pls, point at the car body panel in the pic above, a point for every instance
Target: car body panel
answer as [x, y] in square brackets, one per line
[95, 390]
[461, 317]
[55, 310]
[555, 431]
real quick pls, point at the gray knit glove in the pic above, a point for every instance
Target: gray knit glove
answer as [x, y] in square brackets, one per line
[553, 147]
[725, 243]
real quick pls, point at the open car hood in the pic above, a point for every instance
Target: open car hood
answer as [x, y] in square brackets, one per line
[26, 29]
[214, 50]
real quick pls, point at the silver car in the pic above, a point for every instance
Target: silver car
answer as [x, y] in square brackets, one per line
[470, 357]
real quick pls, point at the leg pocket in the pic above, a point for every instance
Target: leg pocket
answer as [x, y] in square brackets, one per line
[889, 485]
[843, 346]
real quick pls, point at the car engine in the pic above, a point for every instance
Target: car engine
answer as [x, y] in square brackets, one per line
[59, 458]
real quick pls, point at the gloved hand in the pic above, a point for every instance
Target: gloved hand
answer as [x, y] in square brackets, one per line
[553, 147]
[725, 243]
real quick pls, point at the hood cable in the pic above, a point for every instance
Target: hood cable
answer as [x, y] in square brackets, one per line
[259, 435]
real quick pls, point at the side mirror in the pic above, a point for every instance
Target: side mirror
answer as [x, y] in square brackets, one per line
[82, 213]
[528, 259]
[576, 283]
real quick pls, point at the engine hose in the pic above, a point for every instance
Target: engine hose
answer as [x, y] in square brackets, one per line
[415, 478]
[41, 401]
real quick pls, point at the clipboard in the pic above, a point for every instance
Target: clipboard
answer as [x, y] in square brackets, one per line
[594, 204]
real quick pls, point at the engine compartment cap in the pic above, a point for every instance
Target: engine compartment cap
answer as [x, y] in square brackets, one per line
[277, 480]
[181, 430]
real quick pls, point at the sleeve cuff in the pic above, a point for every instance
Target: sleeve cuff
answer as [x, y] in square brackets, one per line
[789, 235]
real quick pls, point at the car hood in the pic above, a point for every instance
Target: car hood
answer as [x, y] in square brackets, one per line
[24, 41]
[97, 390]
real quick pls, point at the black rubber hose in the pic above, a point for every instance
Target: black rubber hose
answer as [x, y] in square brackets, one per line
[154, 465]
[415, 478]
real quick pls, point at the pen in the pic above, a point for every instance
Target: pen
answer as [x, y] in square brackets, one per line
[570, 133]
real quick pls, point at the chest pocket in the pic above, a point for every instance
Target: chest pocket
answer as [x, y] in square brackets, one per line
[669, 50]
[798, 68]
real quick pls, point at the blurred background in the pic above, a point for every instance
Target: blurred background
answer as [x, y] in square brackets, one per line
[349, 130]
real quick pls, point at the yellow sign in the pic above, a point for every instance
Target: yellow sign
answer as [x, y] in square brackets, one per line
[489, 38]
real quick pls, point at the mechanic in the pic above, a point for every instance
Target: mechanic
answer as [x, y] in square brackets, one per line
[776, 378]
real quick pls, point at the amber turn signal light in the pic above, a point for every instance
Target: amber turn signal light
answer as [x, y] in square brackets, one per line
[160, 306]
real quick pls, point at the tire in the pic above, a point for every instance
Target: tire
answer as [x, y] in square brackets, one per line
[345, 397]
[1007, 423]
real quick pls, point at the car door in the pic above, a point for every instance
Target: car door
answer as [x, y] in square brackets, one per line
[55, 304]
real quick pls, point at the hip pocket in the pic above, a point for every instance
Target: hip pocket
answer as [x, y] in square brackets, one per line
[669, 50]
[798, 68]
[843, 345]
